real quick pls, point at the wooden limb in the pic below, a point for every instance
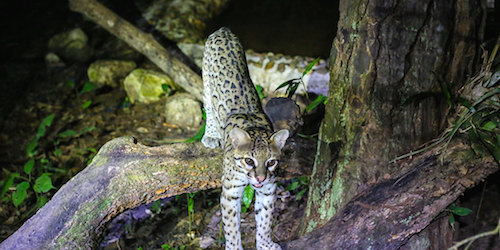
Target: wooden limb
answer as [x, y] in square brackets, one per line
[386, 215]
[124, 175]
[142, 42]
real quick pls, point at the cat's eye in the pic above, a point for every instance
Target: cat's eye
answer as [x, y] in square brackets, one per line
[271, 163]
[249, 162]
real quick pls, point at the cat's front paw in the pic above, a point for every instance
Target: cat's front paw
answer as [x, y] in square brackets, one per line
[268, 246]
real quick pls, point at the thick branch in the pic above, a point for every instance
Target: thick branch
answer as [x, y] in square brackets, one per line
[142, 42]
[124, 175]
[386, 215]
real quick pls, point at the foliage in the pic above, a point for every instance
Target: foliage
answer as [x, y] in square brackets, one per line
[320, 99]
[37, 174]
[87, 87]
[260, 91]
[299, 187]
[247, 198]
[86, 104]
[168, 247]
[190, 205]
[201, 131]
[460, 211]
[292, 84]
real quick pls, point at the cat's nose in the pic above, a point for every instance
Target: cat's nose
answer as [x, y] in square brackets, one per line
[261, 178]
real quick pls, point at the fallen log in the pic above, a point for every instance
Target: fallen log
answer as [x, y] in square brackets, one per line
[125, 174]
[142, 42]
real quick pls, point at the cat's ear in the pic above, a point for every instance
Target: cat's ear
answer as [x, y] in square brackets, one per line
[239, 137]
[278, 139]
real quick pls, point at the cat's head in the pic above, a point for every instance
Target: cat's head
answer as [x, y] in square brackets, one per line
[258, 154]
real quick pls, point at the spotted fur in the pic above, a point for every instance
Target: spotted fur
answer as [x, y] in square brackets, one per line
[237, 123]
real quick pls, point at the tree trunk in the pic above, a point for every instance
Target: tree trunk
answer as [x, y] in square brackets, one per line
[385, 55]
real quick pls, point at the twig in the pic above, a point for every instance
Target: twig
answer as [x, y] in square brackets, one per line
[477, 236]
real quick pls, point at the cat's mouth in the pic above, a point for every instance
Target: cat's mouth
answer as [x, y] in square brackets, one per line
[258, 185]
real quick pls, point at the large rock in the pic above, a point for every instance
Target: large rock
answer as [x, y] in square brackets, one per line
[109, 72]
[184, 111]
[145, 86]
[71, 45]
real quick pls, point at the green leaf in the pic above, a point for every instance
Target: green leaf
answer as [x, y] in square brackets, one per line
[320, 99]
[43, 184]
[7, 182]
[28, 166]
[489, 126]
[247, 196]
[451, 219]
[460, 211]
[86, 129]
[21, 192]
[294, 185]
[58, 152]
[259, 91]
[93, 150]
[289, 82]
[41, 201]
[87, 87]
[42, 128]
[86, 104]
[30, 149]
[190, 202]
[69, 84]
[47, 121]
[165, 87]
[299, 195]
[67, 133]
[310, 66]
[198, 135]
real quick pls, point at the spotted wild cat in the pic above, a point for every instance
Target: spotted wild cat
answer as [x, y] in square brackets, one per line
[237, 123]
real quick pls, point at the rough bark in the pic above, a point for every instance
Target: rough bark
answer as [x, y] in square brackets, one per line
[142, 42]
[125, 174]
[385, 54]
[386, 215]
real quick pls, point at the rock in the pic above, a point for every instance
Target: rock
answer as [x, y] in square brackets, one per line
[53, 61]
[109, 72]
[71, 45]
[284, 114]
[184, 111]
[146, 85]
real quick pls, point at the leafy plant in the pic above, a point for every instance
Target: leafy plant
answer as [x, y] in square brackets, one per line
[168, 247]
[247, 198]
[293, 84]
[190, 205]
[299, 186]
[86, 104]
[87, 87]
[201, 131]
[260, 92]
[460, 211]
[43, 182]
[320, 99]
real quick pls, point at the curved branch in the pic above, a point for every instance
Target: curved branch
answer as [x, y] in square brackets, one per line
[123, 175]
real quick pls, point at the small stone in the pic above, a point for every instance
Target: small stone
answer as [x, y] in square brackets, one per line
[71, 45]
[109, 72]
[142, 130]
[184, 111]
